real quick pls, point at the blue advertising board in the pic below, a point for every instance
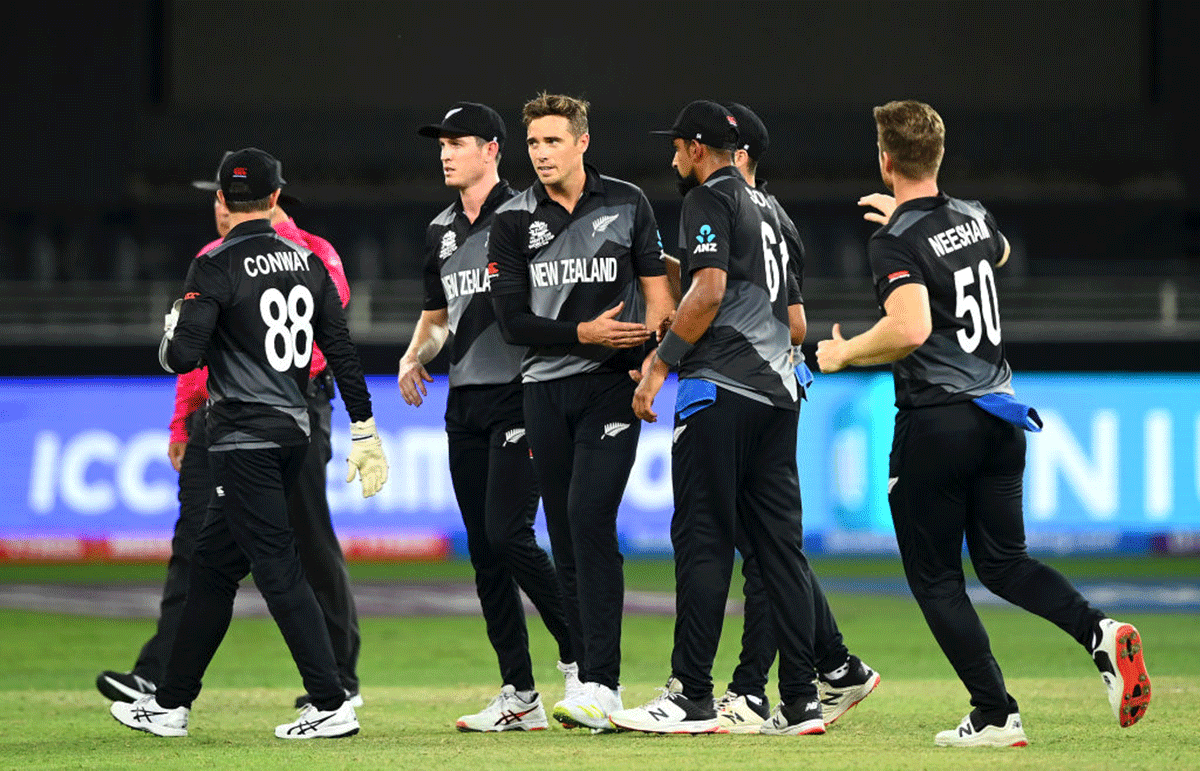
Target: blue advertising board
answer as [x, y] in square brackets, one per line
[1118, 462]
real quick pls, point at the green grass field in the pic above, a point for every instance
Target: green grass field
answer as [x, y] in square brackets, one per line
[420, 674]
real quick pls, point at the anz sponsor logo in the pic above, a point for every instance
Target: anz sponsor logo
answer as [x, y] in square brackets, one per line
[573, 270]
[466, 282]
[706, 241]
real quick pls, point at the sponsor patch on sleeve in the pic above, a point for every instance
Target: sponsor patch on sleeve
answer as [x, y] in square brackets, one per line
[897, 275]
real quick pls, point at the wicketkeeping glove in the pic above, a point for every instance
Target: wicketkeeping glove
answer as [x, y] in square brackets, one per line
[171, 319]
[366, 457]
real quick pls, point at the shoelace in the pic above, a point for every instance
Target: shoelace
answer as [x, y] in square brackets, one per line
[725, 701]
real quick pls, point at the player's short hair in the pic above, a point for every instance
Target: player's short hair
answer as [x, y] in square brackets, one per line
[913, 134]
[573, 109]
[480, 142]
[242, 207]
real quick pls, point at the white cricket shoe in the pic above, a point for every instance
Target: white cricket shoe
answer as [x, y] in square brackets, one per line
[806, 719]
[571, 682]
[146, 715]
[507, 712]
[838, 696]
[1118, 656]
[741, 714]
[314, 723]
[669, 713]
[1011, 734]
[589, 707]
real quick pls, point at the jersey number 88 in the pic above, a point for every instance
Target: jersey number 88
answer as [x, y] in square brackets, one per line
[289, 338]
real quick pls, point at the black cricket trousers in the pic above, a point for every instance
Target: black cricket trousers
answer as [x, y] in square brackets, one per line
[736, 460]
[583, 435]
[956, 470]
[758, 635]
[247, 530]
[497, 492]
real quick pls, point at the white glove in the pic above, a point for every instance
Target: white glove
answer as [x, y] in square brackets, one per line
[366, 457]
[171, 319]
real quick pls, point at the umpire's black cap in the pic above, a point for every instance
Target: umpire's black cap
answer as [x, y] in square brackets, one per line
[752, 134]
[468, 119]
[707, 122]
[267, 171]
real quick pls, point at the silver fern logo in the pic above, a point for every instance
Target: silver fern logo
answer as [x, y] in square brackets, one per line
[612, 429]
[600, 223]
[675, 434]
[512, 436]
[449, 244]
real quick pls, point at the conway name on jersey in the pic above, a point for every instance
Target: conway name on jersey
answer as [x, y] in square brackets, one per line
[727, 224]
[575, 266]
[253, 306]
[457, 278]
[950, 246]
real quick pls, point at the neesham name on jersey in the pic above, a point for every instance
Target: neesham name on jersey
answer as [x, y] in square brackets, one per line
[275, 262]
[955, 238]
[573, 270]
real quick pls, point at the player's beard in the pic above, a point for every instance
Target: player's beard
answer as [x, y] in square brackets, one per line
[685, 184]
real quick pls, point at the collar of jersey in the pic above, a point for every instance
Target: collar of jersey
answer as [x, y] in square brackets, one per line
[592, 184]
[250, 226]
[499, 193]
[925, 203]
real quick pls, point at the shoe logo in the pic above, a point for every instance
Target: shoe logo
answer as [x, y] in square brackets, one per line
[600, 223]
[512, 436]
[591, 711]
[303, 727]
[812, 706]
[510, 717]
[449, 244]
[539, 234]
[966, 729]
[734, 717]
[612, 429]
[141, 713]
[675, 434]
[657, 714]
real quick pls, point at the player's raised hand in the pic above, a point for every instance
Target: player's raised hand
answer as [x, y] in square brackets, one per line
[607, 331]
[885, 204]
[831, 353]
[412, 380]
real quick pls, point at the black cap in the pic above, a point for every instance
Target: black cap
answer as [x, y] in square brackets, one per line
[265, 170]
[468, 119]
[752, 134]
[707, 122]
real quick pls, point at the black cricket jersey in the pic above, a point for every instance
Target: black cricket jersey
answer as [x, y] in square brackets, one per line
[574, 266]
[253, 306]
[727, 224]
[950, 246]
[457, 278]
[794, 247]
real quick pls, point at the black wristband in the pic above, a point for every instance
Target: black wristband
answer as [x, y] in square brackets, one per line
[673, 348]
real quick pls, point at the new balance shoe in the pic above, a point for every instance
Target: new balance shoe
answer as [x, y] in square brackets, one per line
[507, 712]
[145, 714]
[1118, 656]
[123, 686]
[669, 713]
[314, 723]
[838, 696]
[800, 718]
[1011, 734]
[741, 713]
[354, 697]
[589, 707]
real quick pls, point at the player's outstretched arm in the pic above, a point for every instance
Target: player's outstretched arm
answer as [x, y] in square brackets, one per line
[366, 459]
[903, 330]
[427, 340]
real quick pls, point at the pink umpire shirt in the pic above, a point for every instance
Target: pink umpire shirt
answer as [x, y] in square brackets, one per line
[191, 388]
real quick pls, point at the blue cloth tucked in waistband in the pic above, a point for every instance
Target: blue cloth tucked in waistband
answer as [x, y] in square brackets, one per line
[804, 375]
[694, 395]
[1006, 407]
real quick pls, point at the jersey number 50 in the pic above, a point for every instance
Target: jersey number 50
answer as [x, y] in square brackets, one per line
[289, 338]
[982, 314]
